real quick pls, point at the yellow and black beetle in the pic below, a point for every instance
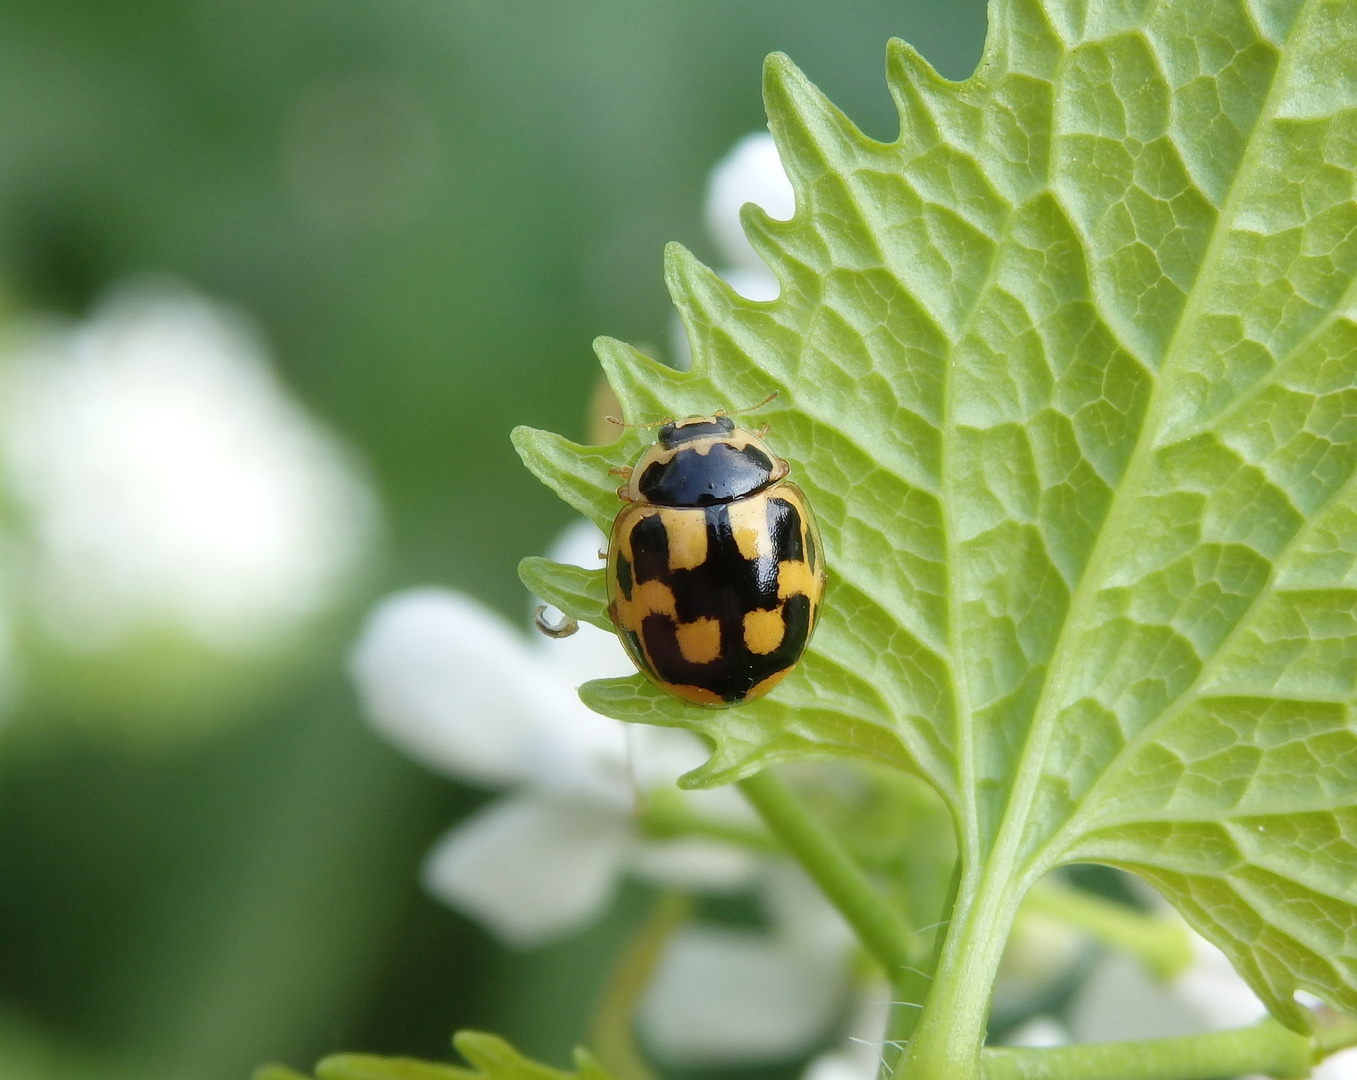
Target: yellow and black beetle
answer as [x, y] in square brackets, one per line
[715, 568]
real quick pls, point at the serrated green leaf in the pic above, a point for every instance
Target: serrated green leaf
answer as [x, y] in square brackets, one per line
[579, 593]
[495, 1059]
[1069, 373]
[490, 1058]
[760, 732]
[372, 1067]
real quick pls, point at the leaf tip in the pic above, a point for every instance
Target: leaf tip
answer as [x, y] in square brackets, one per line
[711, 773]
[685, 274]
[678, 259]
[633, 376]
[524, 438]
[530, 570]
[778, 71]
[578, 592]
[532, 445]
[616, 698]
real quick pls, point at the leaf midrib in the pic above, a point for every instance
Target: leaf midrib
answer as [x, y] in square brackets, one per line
[1050, 703]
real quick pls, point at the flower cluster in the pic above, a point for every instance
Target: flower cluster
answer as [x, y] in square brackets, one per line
[161, 484]
[462, 690]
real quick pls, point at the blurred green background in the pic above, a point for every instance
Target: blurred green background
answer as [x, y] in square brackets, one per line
[431, 207]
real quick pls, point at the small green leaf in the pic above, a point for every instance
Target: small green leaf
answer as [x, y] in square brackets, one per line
[579, 593]
[748, 738]
[495, 1059]
[371, 1067]
[1069, 373]
[490, 1057]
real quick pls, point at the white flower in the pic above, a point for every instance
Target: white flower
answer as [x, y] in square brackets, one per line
[1040, 1031]
[724, 995]
[1121, 1000]
[457, 687]
[1341, 1066]
[751, 173]
[165, 480]
[460, 689]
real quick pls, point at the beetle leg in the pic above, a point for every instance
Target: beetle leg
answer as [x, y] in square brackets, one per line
[781, 469]
[624, 471]
[763, 430]
[564, 628]
[603, 554]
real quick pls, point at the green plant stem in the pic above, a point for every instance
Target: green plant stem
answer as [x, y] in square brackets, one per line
[1159, 942]
[951, 1030]
[1266, 1047]
[880, 929]
[610, 1034]
[665, 815]
[911, 989]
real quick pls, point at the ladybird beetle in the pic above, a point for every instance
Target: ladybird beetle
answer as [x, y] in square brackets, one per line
[715, 573]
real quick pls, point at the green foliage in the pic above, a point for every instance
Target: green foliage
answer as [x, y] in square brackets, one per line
[490, 1057]
[1069, 373]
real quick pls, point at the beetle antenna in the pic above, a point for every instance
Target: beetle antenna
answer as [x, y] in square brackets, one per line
[669, 419]
[622, 423]
[747, 408]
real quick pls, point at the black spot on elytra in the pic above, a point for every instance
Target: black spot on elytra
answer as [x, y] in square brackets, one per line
[724, 588]
[796, 616]
[624, 581]
[650, 550]
[784, 523]
[721, 475]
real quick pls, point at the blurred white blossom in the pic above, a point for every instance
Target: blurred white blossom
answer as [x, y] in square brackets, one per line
[457, 687]
[461, 690]
[1341, 1066]
[1121, 1000]
[726, 995]
[751, 173]
[165, 480]
[1040, 1031]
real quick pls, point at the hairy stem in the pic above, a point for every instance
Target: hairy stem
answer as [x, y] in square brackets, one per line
[912, 988]
[951, 1030]
[879, 927]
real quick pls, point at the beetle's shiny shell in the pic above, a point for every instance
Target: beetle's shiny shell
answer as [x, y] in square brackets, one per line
[716, 601]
